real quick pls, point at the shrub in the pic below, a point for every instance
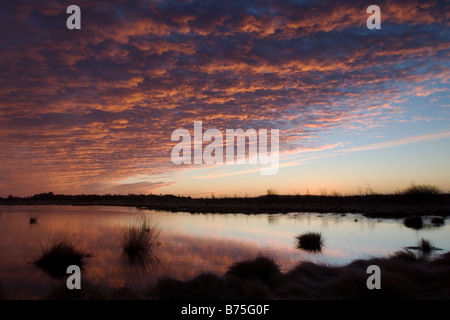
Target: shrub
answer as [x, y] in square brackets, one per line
[311, 242]
[55, 258]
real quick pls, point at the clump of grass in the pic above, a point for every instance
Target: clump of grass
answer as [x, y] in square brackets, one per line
[137, 240]
[167, 288]
[139, 236]
[418, 253]
[54, 259]
[262, 268]
[425, 247]
[437, 221]
[407, 255]
[421, 189]
[311, 241]
[207, 286]
[272, 192]
[413, 222]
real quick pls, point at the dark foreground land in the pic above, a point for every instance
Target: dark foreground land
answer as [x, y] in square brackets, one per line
[377, 205]
[404, 275]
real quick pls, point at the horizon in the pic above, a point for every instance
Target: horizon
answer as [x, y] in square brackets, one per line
[368, 191]
[94, 110]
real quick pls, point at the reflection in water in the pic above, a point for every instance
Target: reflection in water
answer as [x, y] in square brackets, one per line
[272, 219]
[139, 262]
[137, 238]
[189, 244]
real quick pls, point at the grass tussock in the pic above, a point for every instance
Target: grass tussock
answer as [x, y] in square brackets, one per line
[271, 192]
[55, 258]
[311, 242]
[138, 238]
[425, 247]
[421, 190]
[419, 253]
[33, 220]
[413, 222]
[261, 268]
[408, 255]
[437, 221]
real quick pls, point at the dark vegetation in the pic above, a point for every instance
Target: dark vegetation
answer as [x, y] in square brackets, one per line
[416, 200]
[413, 222]
[311, 241]
[437, 221]
[33, 220]
[55, 258]
[403, 277]
[138, 239]
[2, 293]
[261, 268]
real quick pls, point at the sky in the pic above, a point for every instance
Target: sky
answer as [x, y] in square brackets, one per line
[93, 110]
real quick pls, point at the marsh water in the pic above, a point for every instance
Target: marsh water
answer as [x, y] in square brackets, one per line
[188, 244]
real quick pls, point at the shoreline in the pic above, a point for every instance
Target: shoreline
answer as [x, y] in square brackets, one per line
[372, 206]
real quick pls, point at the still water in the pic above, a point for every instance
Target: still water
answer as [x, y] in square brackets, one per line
[189, 244]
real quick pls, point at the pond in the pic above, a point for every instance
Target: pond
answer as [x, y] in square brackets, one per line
[188, 244]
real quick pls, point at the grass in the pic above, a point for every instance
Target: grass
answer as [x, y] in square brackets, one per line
[420, 252]
[311, 241]
[425, 247]
[413, 222]
[137, 239]
[408, 255]
[437, 221]
[401, 279]
[55, 258]
[261, 268]
[421, 190]
[404, 276]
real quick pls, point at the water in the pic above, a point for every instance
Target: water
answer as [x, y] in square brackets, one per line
[189, 243]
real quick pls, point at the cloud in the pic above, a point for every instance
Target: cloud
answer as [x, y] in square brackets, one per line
[400, 142]
[99, 104]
